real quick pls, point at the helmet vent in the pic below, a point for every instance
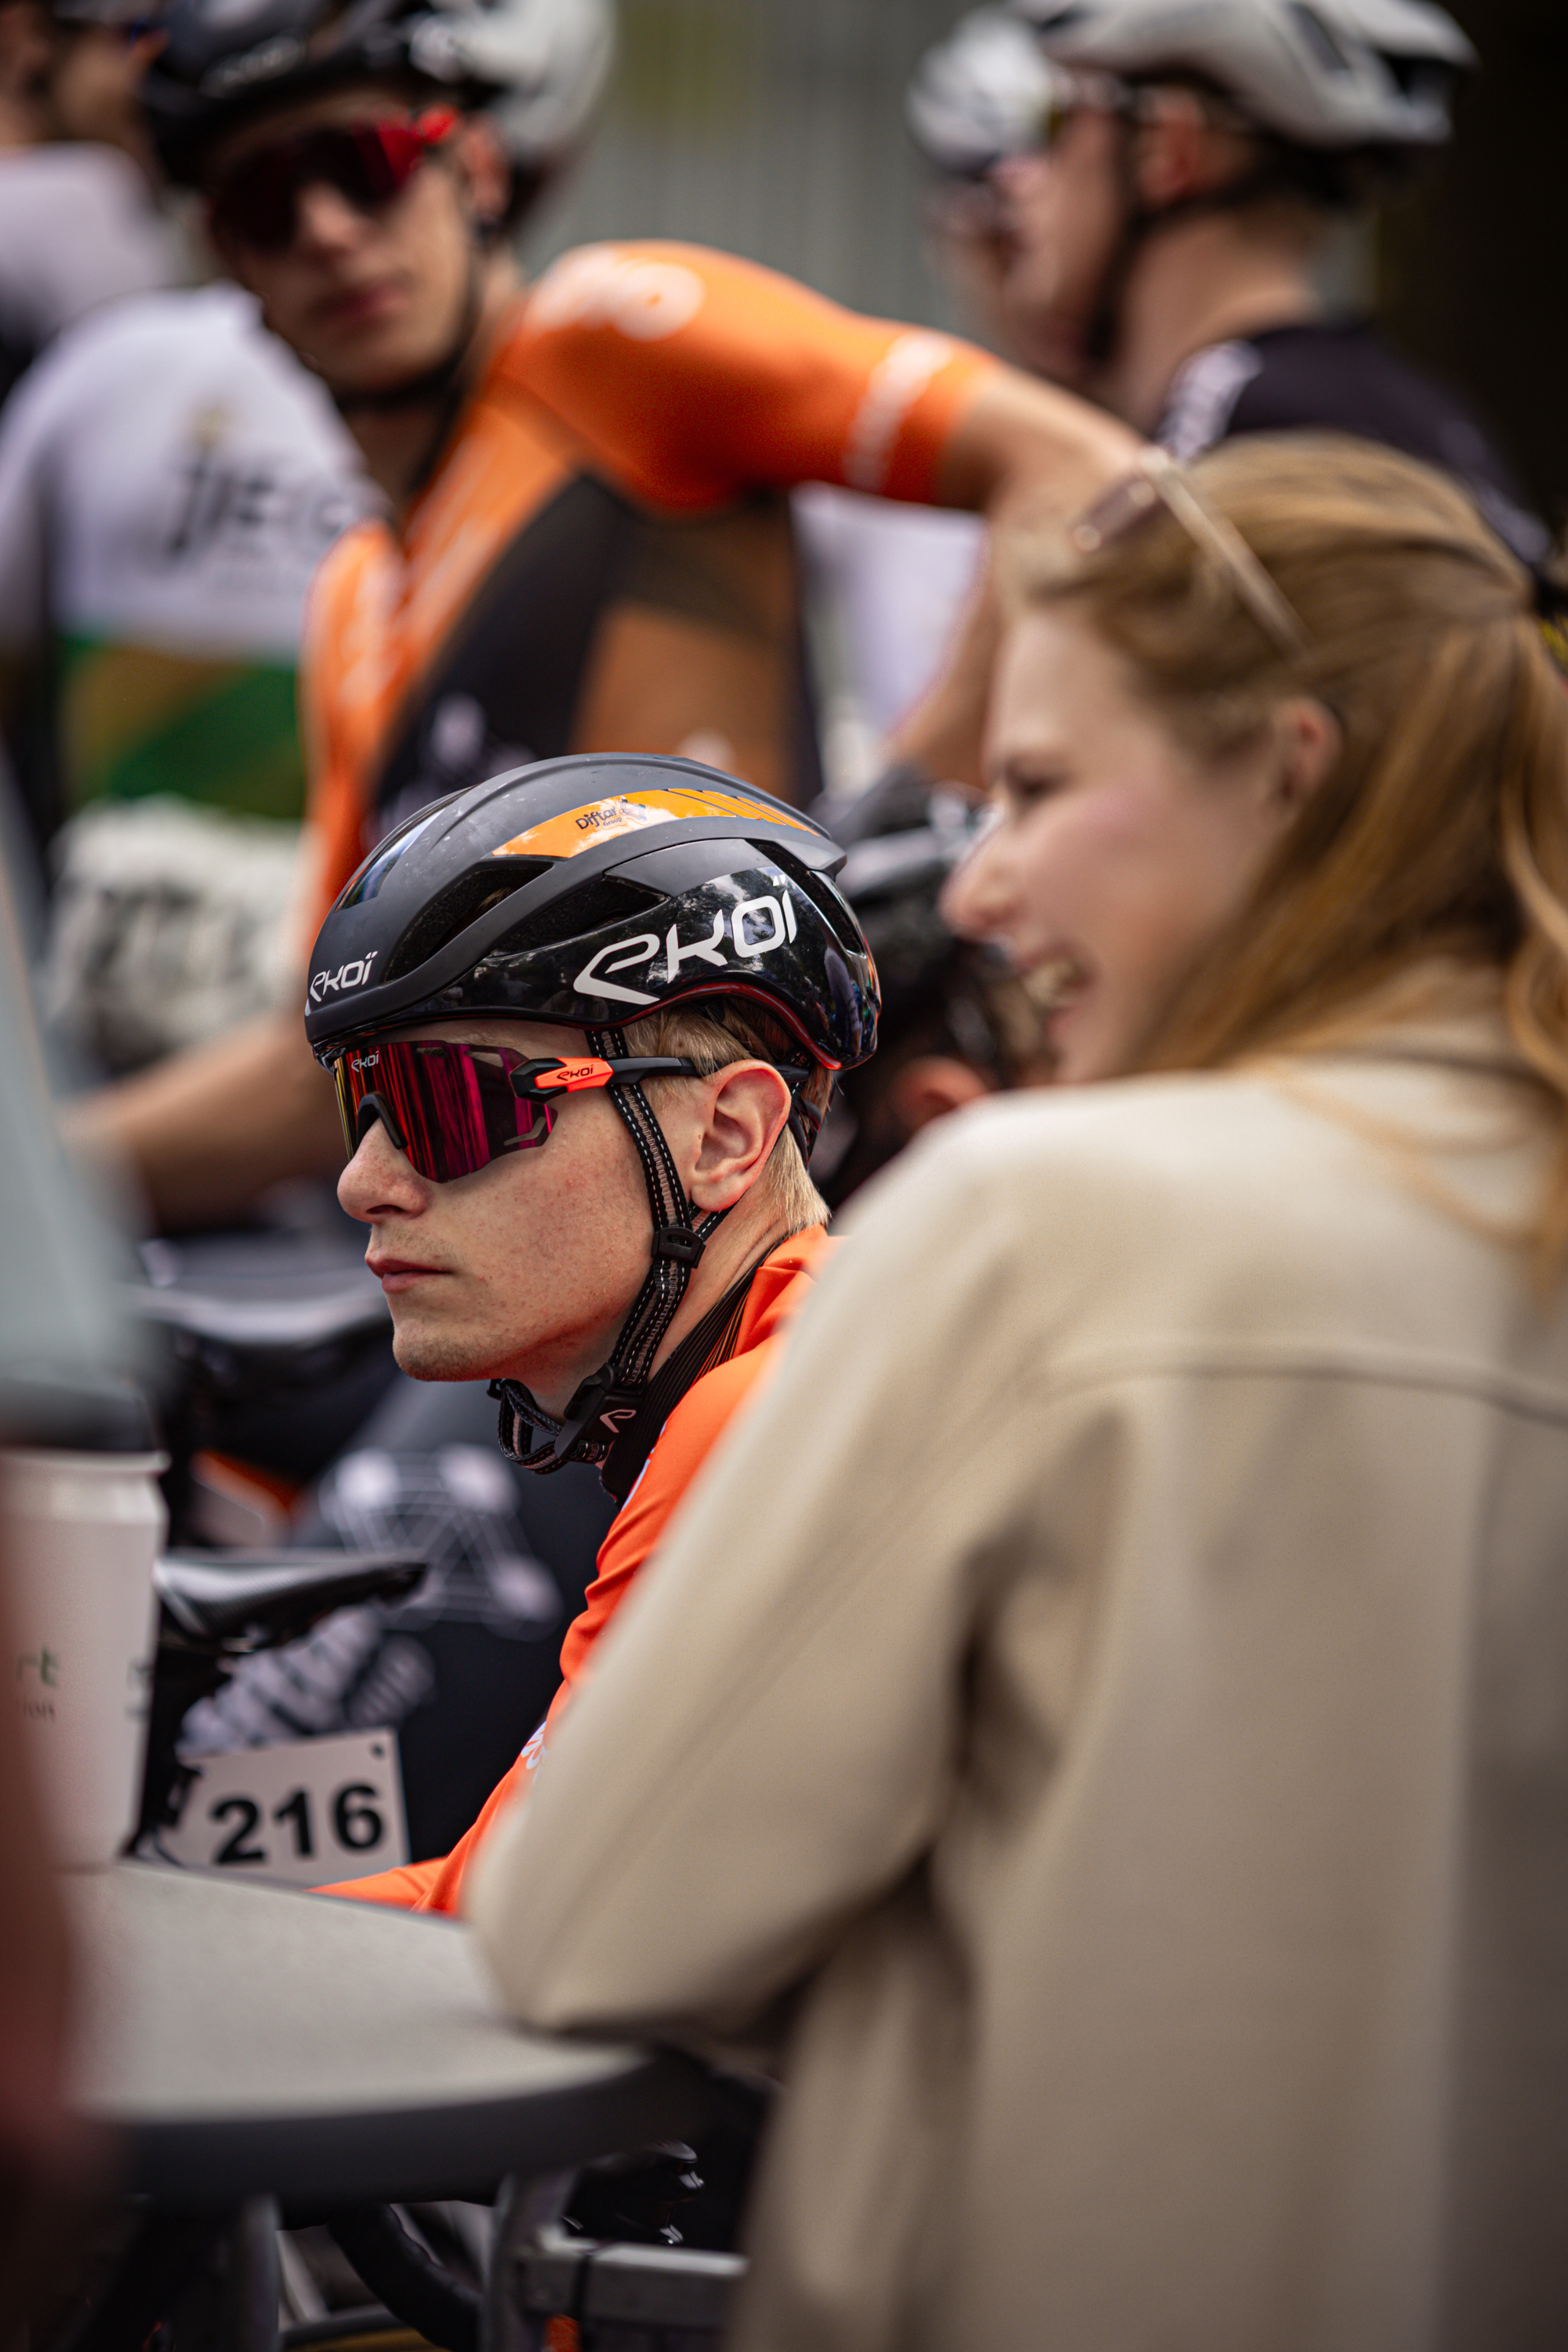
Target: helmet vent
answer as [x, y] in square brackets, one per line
[1419, 79]
[605, 899]
[451, 910]
[824, 898]
[1320, 38]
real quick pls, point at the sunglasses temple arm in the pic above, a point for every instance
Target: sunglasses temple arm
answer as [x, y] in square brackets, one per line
[528, 1081]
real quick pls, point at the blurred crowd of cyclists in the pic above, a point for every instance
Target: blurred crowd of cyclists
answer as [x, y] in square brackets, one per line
[316, 519]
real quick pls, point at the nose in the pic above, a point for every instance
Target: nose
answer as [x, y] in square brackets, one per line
[978, 895]
[324, 219]
[1013, 179]
[379, 1181]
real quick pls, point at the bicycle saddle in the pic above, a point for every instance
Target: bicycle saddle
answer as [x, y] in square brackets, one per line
[241, 1600]
[224, 1298]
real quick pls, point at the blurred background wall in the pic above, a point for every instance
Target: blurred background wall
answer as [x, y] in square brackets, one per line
[774, 127]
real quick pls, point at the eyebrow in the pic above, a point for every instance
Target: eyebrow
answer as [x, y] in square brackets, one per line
[1024, 763]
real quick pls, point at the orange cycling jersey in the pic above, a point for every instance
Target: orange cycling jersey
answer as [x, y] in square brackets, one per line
[603, 561]
[778, 1289]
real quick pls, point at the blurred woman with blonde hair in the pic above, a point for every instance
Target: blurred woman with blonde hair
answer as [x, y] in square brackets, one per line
[1101, 1732]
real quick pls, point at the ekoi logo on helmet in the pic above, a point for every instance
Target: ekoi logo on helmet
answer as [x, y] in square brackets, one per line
[756, 926]
[347, 975]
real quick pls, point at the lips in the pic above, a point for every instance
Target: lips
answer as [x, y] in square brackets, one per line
[396, 1273]
[352, 305]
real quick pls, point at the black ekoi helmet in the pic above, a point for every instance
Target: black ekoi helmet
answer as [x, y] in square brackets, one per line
[593, 891]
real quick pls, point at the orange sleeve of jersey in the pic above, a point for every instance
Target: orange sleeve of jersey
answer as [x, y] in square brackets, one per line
[695, 376]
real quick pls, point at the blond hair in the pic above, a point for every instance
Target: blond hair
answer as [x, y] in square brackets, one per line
[725, 1031]
[1441, 830]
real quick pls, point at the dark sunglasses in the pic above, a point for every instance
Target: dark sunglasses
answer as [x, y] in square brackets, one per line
[451, 1109]
[368, 163]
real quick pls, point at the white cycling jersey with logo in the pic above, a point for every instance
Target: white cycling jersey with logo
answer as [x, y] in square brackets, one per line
[169, 478]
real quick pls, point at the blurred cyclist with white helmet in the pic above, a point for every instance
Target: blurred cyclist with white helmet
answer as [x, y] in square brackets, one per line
[977, 97]
[1167, 223]
[1151, 210]
[1176, 224]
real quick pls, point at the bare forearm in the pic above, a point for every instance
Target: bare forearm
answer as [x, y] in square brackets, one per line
[1023, 446]
[1022, 450]
[204, 1133]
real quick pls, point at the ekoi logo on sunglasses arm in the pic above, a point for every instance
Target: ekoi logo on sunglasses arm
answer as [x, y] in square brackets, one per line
[570, 1078]
[347, 975]
[745, 926]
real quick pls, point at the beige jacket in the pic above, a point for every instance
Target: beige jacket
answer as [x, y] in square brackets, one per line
[1116, 1681]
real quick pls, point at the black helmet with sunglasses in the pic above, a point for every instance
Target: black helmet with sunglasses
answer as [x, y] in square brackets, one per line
[535, 67]
[584, 893]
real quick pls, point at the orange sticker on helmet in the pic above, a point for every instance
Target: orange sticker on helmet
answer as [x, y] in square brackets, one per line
[578, 829]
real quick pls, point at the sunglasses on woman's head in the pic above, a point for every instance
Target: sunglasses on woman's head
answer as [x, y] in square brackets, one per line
[451, 1109]
[1157, 481]
[368, 163]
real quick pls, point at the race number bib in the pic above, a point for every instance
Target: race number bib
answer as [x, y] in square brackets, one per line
[308, 1813]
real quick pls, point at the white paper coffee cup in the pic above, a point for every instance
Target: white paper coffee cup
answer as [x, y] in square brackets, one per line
[81, 1533]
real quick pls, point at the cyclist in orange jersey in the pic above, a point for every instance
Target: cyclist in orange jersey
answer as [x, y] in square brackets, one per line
[587, 546]
[654, 960]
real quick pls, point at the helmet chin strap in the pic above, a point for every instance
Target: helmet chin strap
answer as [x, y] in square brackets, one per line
[609, 1398]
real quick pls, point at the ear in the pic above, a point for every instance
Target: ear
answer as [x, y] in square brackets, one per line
[1181, 153]
[930, 1088]
[1172, 152]
[739, 1115]
[1308, 742]
[483, 168]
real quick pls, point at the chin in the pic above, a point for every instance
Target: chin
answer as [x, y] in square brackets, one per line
[371, 361]
[1080, 1062]
[428, 1356]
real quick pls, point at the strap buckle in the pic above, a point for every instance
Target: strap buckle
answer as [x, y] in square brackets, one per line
[679, 1243]
[598, 1412]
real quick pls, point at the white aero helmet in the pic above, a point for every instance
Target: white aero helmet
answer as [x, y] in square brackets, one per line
[980, 94]
[1314, 73]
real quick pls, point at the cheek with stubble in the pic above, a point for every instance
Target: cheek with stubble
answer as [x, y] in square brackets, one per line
[460, 1320]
